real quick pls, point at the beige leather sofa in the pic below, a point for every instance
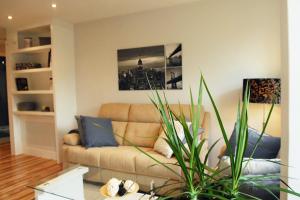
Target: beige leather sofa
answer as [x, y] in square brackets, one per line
[141, 125]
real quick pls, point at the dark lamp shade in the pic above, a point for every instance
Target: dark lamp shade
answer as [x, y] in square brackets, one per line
[264, 90]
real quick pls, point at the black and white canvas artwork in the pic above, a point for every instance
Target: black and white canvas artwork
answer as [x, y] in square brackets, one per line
[140, 66]
[173, 66]
[157, 67]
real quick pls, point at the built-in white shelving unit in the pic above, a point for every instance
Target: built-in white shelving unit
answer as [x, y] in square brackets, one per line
[34, 113]
[51, 84]
[33, 92]
[37, 49]
[32, 71]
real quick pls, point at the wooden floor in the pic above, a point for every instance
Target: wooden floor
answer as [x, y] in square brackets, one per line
[19, 172]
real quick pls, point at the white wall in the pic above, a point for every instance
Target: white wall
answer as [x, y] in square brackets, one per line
[226, 40]
[291, 95]
[63, 62]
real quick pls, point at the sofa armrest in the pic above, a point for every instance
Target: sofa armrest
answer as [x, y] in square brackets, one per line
[72, 139]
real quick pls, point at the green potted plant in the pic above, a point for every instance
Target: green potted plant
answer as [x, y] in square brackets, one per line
[199, 180]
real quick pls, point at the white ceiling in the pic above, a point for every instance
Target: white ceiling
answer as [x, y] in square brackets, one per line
[27, 12]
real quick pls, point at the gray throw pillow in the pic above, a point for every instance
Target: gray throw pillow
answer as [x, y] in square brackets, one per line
[254, 166]
[268, 147]
[80, 130]
[200, 131]
[97, 132]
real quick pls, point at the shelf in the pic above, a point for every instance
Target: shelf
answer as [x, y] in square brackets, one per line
[33, 92]
[34, 113]
[31, 71]
[38, 49]
[35, 131]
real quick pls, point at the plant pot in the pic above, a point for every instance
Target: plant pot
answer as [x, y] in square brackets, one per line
[187, 198]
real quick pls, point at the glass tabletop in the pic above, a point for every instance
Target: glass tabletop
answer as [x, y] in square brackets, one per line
[69, 184]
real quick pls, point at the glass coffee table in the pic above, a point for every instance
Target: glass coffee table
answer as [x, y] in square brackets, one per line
[69, 185]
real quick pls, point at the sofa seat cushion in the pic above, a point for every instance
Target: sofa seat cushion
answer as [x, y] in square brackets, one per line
[147, 166]
[120, 158]
[82, 155]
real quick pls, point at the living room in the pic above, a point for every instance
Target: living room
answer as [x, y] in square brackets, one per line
[67, 59]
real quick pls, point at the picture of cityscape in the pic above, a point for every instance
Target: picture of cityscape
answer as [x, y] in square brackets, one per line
[173, 66]
[140, 66]
[155, 67]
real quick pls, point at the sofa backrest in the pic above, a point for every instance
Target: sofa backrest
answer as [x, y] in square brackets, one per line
[139, 124]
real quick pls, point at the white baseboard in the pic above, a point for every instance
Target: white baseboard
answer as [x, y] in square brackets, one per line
[40, 152]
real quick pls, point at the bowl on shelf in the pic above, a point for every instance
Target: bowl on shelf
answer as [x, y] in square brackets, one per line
[27, 106]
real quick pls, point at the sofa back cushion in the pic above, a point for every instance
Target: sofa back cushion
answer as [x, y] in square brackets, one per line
[186, 111]
[138, 124]
[119, 129]
[146, 113]
[141, 134]
[118, 113]
[115, 111]
[143, 127]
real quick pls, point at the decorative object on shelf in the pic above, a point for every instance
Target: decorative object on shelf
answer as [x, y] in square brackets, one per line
[49, 58]
[119, 188]
[263, 91]
[22, 66]
[27, 106]
[44, 41]
[149, 67]
[46, 109]
[27, 42]
[22, 84]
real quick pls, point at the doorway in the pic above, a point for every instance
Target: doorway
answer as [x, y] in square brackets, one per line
[4, 124]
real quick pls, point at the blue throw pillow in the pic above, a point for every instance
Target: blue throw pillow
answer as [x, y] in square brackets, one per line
[267, 149]
[97, 132]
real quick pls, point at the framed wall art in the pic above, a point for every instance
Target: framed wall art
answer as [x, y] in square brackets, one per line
[154, 67]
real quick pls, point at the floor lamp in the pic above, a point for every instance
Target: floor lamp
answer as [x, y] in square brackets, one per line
[263, 91]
